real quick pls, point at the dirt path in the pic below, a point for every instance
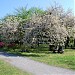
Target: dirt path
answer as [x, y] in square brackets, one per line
[34, 67]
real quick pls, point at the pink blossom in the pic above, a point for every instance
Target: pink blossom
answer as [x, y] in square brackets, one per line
[2, 44]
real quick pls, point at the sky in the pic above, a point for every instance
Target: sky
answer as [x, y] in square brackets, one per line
[9, 6]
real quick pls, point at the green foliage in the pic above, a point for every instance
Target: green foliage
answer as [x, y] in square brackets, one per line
[27, 14]
[35, 10]
[22, 12]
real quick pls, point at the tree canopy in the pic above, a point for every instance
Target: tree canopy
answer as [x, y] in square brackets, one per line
[34, 25]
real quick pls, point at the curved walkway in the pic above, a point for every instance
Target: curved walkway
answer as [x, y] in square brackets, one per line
[36, 68]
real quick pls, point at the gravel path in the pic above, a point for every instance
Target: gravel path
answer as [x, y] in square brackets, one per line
[34, 67]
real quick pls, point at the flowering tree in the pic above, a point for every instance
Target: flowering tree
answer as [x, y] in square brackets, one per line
[68, 19]
[53, 26]
[49, 28]
[9, 27]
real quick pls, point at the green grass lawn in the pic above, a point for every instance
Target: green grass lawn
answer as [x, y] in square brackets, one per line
[6, 69]
[66, 60]
[42, 54]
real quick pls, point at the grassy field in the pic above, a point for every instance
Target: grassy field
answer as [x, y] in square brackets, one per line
[42, 54]
[6, 69]
[66, 60]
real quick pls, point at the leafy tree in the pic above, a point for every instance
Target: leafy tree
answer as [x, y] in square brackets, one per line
[27, 14]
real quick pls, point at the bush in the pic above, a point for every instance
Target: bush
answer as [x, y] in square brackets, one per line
[2, 44]
[11, 45]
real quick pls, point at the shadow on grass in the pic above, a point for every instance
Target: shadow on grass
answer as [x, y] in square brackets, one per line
[15, 53]
[27, 54]
[33, 52]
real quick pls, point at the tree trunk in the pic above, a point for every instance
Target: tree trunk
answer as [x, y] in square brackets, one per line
[60, 50]
[67, 42]
[51, 47]
[74, 42]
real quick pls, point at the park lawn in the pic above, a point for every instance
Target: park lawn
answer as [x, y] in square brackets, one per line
[7, 69]
[42, 54]
[66, 60]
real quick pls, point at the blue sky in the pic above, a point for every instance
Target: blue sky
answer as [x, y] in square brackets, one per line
[9, 6]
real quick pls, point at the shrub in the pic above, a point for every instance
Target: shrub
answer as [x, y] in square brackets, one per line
[2, 44]
[11, 45]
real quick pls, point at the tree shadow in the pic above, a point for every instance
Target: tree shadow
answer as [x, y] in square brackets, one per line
[8, 54]
[33, 52]
[30, 55]
[19, 54]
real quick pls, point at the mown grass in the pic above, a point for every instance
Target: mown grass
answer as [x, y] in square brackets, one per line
[42, 54]
[66, 60]
[6, 69]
